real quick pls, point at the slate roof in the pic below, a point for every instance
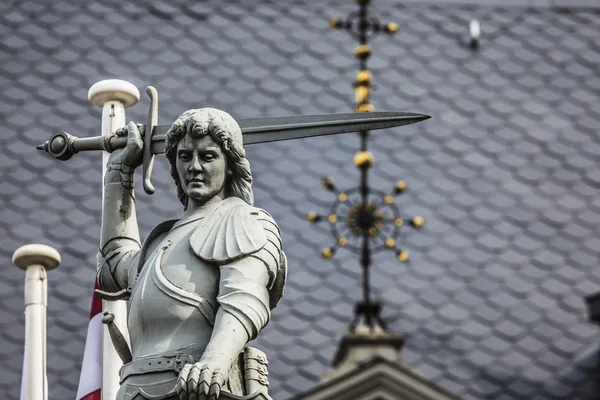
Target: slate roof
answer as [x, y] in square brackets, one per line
[506, 175]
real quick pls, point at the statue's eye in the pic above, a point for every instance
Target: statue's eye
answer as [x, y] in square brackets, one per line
[184, 157]
[209, 156]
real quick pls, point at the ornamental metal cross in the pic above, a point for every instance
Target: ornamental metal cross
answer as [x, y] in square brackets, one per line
[363, 219]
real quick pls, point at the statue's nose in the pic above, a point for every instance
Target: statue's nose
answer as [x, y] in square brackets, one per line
[195, 165]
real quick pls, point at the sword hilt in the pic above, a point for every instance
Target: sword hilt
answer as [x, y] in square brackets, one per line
[117, 337]
[63, 145]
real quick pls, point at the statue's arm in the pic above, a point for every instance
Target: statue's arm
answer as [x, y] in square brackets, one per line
[244, 288]
[119, 234]
[244, 309]
[243, 312]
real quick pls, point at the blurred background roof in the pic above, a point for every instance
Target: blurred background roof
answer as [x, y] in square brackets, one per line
[506, 175]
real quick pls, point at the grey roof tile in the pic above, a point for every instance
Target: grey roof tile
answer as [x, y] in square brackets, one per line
[519, 286]
[515, 360]
[504, 300]
[523, 389]
[481, 359]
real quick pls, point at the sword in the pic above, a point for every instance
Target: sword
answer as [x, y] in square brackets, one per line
[63, 146]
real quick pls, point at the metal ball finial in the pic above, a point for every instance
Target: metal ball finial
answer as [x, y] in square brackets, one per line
[36, 254]
[113, 89]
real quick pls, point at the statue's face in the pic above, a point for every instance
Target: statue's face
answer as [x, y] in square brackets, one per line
[202, 168]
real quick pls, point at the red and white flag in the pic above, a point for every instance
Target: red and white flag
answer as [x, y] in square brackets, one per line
[90, 380]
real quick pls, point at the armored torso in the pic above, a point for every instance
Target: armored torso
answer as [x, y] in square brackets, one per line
[173, 300]
[225, 256]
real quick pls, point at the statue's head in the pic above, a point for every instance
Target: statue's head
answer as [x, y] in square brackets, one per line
[208, 142]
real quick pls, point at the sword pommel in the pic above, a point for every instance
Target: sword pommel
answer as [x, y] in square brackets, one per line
[60, 146]
[63, 146]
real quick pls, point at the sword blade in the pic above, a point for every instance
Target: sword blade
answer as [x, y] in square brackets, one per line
[263, 130]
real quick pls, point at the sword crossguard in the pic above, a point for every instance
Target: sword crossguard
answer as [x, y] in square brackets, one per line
[148, 156]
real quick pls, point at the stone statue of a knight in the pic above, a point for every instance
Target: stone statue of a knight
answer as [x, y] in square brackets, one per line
[200, 287]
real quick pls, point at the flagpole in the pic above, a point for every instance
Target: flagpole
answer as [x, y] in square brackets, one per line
[36, 260]
[113, 95]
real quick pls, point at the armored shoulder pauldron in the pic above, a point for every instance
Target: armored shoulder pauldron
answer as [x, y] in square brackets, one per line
[231, 231]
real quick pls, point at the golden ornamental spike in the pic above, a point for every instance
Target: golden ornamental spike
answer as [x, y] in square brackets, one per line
[328, 183]
[364, 159]
[402, 256]
[401, 187]
[417, 222]
[327, 253]
[391, 27]
[312, 216]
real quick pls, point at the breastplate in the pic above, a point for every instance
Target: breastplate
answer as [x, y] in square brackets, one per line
[173, 301]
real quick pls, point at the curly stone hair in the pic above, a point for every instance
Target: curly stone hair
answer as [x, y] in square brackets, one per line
[226, 132]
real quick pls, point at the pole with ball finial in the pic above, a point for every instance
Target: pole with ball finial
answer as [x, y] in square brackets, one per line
[113, 95]
[36, 260]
